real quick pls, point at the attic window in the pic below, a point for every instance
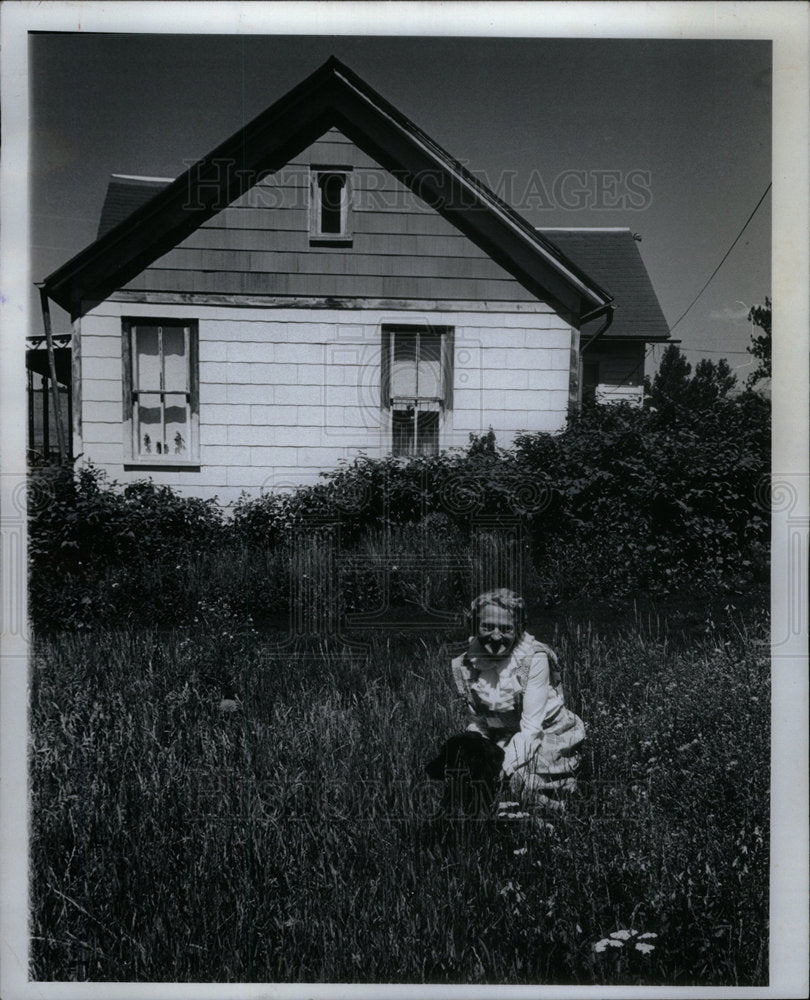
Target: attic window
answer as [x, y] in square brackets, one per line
[330, 205]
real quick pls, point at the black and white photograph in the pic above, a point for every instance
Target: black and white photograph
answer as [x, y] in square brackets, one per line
[404, 512]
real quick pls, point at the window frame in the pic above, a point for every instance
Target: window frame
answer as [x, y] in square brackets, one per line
[445, 401]
[132, 458]
[316, 235]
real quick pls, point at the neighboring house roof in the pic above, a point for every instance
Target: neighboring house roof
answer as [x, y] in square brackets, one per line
[126, 194]
[333, 96]
[612, 257]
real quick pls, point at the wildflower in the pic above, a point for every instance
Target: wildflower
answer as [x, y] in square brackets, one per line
[607, 942]
[623, 935]
[617, 940]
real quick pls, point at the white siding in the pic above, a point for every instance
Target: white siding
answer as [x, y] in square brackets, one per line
[287, 393]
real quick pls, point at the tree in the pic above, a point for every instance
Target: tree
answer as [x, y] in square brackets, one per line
[670, 385]
[760, 346]
[674, 386]
[712, 381]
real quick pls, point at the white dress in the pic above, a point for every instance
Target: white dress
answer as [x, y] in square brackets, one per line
[517, 701]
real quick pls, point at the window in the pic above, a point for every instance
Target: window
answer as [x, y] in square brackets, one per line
[417, 386]
[330, 205]
[161, 392]
[590, 380]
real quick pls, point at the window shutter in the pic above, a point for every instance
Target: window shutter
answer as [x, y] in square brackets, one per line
[448, 354]
[194, 386]
[126, 357]
[385, 369]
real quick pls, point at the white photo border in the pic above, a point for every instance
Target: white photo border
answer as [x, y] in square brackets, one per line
[786, 24]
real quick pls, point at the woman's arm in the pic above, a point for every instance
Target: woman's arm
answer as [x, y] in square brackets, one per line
[536, 695]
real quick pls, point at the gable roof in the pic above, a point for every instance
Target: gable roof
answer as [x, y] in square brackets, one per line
[613, 258]
[333, 96]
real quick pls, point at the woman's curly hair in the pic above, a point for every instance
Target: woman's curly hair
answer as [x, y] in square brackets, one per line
[500, 598]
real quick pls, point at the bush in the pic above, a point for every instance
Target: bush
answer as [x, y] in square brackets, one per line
[625, 501]
[659, 500]
[377, 493]
[96, 549]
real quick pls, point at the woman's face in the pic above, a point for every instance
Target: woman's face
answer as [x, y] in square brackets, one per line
[496, 629]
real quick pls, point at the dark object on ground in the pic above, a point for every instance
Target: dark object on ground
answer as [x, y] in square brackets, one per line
[469, 765]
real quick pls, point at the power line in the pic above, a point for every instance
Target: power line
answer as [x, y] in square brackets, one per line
[711, 350]
[725, 255]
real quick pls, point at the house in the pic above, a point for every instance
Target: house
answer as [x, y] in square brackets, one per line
[613, 365]
[330, 282]
[43, 437]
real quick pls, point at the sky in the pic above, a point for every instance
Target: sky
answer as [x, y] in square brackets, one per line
[673, 137]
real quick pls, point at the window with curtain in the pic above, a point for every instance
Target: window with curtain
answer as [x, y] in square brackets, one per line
[161, 390]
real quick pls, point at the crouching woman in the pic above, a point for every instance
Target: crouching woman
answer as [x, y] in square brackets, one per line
[511, 684]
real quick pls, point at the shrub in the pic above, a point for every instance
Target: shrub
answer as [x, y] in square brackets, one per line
[624, 501]
[96, 548]
[393, 491]
[661, 500]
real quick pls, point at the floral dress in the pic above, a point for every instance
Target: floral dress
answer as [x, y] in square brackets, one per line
[517, 701]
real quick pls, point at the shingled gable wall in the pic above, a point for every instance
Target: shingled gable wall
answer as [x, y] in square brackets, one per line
[287, 391]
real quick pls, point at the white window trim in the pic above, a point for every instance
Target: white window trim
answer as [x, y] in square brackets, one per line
[316, 235]
[131, 456]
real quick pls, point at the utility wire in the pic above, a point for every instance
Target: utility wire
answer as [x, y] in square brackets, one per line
[711, 350]
[725, 255]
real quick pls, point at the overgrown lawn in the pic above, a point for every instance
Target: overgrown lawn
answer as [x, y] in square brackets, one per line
[295, 839]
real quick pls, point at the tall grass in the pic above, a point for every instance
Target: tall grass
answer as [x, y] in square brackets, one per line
[294, 838]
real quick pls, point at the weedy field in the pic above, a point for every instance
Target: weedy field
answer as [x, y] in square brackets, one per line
[289, 835]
